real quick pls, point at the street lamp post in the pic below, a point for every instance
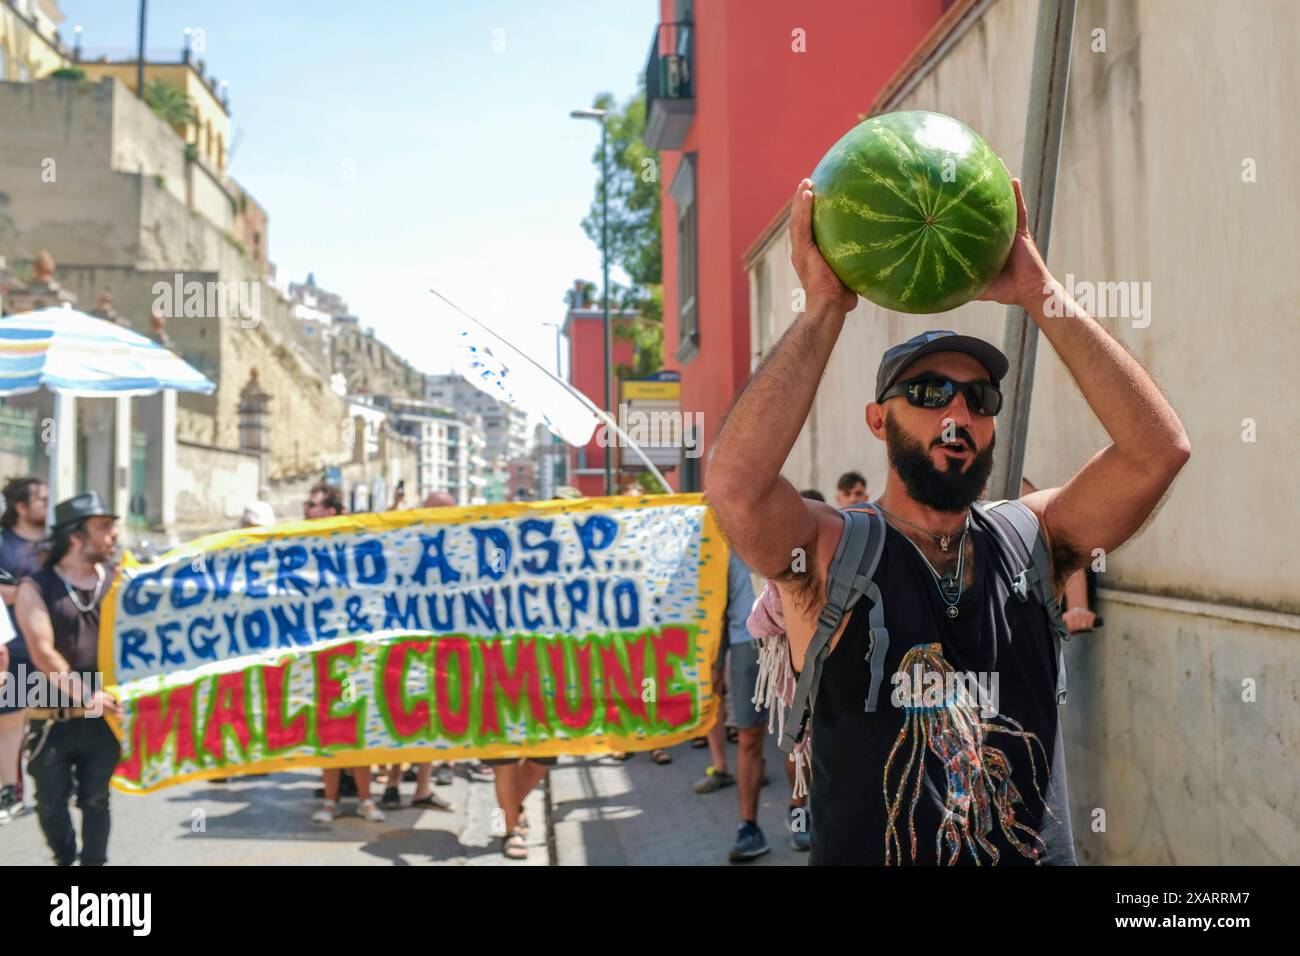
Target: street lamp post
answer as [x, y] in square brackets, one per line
[599, 116]
[557, 448]
[139, 59]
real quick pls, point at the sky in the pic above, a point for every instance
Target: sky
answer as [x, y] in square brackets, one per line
[412, 144]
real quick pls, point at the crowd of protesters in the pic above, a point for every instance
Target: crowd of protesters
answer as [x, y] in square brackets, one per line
[54, 574]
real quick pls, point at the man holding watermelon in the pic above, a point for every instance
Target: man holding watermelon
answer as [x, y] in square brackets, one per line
[952, 589]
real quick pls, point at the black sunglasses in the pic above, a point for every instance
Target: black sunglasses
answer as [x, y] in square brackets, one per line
[932, 391]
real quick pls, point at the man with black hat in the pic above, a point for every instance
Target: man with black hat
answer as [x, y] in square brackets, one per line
[70, 744]
[928, 778]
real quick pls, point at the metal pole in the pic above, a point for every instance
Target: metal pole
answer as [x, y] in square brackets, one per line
[1043, 126]
[139, 61]
[559, 467]
[604, 260]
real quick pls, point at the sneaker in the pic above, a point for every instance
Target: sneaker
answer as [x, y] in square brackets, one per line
[442, 775]
[328, 813]
[482, 772]
[799, 823]
[9, 805]
[367, 811]
[750, 844]
[391, 800]
[714, 779]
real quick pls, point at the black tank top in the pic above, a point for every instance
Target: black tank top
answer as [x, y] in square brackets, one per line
[959, 780]
[76, 632]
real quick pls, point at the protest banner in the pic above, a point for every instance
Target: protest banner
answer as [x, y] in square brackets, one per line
[559, 627]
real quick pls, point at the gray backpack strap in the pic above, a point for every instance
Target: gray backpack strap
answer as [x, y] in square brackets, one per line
[1019, 527]
[847, 580]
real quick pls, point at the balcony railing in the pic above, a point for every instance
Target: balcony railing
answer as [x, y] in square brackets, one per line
[670, 85]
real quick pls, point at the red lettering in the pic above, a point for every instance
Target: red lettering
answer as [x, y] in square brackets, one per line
[617, 686]
[496, 674]
[228, 710]
[330, 730]
[674, 709]
[579, 718]
[279, 735]
[151, 728]
[405, 722]
[454, 722]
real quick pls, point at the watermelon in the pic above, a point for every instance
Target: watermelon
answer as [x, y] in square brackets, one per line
[913, 211]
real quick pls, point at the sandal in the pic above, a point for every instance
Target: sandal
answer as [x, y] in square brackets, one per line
[622, 755]
[432, 802]
[661, 756]
[515, 847]
[699, 743]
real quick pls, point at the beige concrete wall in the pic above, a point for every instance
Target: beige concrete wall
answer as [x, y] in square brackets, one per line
[1150, 190]
[213, 487]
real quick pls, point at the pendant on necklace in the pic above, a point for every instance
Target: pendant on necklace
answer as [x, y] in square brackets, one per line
[944, 541]
[952, 611]
[949, 587]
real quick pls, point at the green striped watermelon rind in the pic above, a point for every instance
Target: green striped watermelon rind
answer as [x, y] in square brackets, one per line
[891, 227]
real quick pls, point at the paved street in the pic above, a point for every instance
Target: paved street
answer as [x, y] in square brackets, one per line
[604, 812]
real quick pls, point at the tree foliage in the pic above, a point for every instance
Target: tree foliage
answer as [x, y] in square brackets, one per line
[169, 103]
[635, 230]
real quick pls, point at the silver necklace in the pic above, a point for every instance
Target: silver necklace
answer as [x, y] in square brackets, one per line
[950, 590]
[942, 540]
[94, 598]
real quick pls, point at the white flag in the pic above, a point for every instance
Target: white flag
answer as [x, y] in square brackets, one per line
[496, 367]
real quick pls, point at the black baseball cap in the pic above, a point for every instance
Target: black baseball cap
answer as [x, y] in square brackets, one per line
[896, 360]
[79, 508]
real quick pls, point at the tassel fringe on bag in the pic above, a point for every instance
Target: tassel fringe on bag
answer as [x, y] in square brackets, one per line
[776, 678]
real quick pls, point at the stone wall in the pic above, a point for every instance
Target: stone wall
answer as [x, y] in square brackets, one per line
[116, 217]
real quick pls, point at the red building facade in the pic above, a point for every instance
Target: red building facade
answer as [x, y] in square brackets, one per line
[584, 327]
[743, 99]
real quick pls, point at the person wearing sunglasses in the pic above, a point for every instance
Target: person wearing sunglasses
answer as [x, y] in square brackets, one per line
[936, 779]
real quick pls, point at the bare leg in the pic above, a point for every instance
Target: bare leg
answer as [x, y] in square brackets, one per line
[749, 770]
[717, 738]
[11, 745]
[506, 779]
[394, 778]
[332, 777]
[530, 775]
[423, 776]
[362, 775]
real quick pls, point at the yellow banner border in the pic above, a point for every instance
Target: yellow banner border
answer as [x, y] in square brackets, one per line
[714, 554]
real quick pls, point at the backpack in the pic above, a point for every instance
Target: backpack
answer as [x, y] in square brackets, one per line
[849, 579]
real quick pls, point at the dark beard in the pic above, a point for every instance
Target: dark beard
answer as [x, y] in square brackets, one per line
[951, 490]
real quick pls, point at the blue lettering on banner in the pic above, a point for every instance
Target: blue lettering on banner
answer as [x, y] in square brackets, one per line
[253, 575]
[292, 559]
[133, 602]
[185, 578]
[596, 533]
[371, 551]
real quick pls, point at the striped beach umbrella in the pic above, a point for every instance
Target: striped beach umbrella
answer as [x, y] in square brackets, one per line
[72, 353]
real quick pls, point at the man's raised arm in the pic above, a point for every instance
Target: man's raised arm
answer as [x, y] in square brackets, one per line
[1110, 497]
[760, 512]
